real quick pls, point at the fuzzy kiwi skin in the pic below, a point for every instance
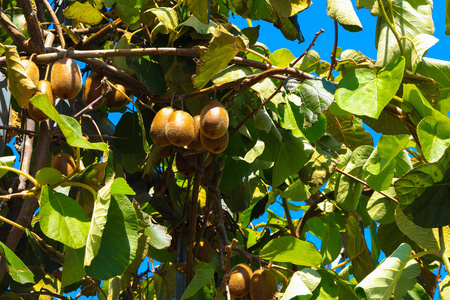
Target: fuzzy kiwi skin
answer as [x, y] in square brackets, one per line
[158, 127]
[44, 87]
[32, 70]
[196, 145]
[215, 145]
[204, 250]
[180, 128]
[214, 120]
[263, 285]
[239, 283]
[64, 163]
[92, 90]
[66, 79]
[116, 99]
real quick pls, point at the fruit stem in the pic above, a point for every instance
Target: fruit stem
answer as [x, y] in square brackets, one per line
[28, 176]
[82, 185]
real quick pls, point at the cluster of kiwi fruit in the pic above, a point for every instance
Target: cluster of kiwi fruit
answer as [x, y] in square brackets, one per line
[259, 285]
[66, 83]
[209, 130]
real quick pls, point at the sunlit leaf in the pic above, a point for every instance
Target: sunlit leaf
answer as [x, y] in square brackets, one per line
[343, 12]
[200, 9]
[202, 276]
[434, 136]
[83, 13]
[15, 267]
[302, 283]
[6, 161]
[348, 129]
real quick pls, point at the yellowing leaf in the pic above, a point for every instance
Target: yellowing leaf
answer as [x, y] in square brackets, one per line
[83, 12]
[20, 85]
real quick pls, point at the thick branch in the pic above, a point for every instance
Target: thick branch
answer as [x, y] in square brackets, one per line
[33, 25]
[19, 39]
[55, 22]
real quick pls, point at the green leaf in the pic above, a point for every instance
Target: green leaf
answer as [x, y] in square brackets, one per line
[73, 268]
[266, 88]
[98, 221]
[202, 276]
[167, 16]
[119, 240]
[21, 86]
[48, 176]
[200, 27]
[200, 9]
[129, 10]
[328, 231]
[423, 192]
[296, 191]
[289, 147]
[63, 219]
[282, 57]
[150, 72]
[357, 250]
[165, 282]
[222, 48]
[386, 150]
[422, 43]
[289, 8]
[312, 96]
[395, 275]
[6, 161]
[120, 186]
[380, 208]
[364, 92]
[159, 238]
[302, 283]
[309, 62]
[68, 125]
[120, 62]
[231, 73]
[257, 9]
[343, 12]
[411, 18]
[434, 137]
[83, 13]
[292, 250]
[253, 153]
[319, 168]
[444, 288]
[348, 129]
[15, 267]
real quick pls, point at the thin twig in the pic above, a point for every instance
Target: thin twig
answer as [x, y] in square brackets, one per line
[226, 274]
[250, 257]
[313, 42]
[19, 130]
[55, 22]
[333, 53]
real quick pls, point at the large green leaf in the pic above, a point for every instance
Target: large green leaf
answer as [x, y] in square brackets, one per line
[328, 231]
[364, 92]
[119, 240]
[282, 57]
[167, 16]
[289, 147]
[357, 249]
[200, 9]
[63, 219]
[422, 43]
[130, 10]
[202, 276]
[417, 105]
[84, 13]
[200, 27]
[98, 221]
[423, 193]
[411, 18]
[288, 8]
[68, 125]
[380, 208]
[311, 96]
[6, 161]
[395, 275]
[434, 137]
[73, 268]
[302, 283]
[343, 12]
[15, 267]
[348, 129]
[222, 48]
[290, 249]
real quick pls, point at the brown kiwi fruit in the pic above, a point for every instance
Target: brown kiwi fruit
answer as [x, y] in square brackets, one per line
[165, 152]
[93, 89]
[214, 120]
[180, 128]
[66, 78]
[263, 285]
[31, 69]
[239, 282]
[204, 250]
[64, 163]
[196, 145]
[215, 145]
[44, 86]
[157, 129]
[116, 99]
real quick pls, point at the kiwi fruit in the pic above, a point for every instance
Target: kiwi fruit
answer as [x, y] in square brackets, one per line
[66, 78]
[196, 145]
[239, 282]
[214, 120]
[44, 87]
[64, 163]
[215, 145]
[263, 285]
[165, 152]
[157, 129]
[31, 69]
[116, 99]
[183, 165]
[180, 128]
[93, 89]
[204, 250]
